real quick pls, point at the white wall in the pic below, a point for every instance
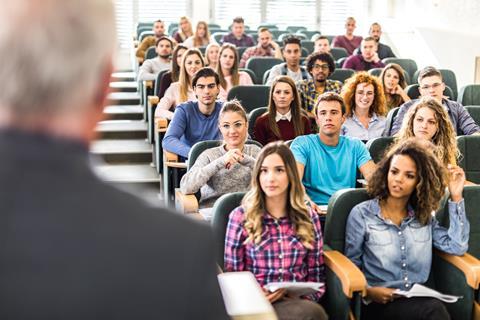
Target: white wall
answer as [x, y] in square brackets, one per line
[441, 33]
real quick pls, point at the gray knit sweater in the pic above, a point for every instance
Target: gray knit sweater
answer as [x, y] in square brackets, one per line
[210, 176]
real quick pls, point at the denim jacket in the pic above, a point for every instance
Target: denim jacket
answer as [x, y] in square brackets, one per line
[398, 256]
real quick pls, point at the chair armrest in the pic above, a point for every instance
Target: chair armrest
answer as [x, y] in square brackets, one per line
[185, 203]
[148, 84]
[161, 124]
[153, 100]
[350, 276]
[140, 60]
[171, 160]
[468, 264]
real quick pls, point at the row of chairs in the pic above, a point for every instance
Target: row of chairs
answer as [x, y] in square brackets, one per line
[456, 275]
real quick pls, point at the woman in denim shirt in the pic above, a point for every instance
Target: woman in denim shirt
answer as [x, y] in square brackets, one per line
[390, 237]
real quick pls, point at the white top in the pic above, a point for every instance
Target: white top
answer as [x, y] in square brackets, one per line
[151, 67]
[286, 116]
[189, 42]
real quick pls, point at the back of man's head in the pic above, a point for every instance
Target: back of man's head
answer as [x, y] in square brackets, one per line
[60, 64]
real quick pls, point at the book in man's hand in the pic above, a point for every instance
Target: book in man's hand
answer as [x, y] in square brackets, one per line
[295, 288]
[421, 291]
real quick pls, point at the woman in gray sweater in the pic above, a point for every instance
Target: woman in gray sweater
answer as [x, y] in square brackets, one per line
[227, 168]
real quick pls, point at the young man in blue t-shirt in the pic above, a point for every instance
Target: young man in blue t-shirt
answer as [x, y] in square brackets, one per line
[328, 162]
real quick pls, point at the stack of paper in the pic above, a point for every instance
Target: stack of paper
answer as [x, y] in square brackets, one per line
[421, 291]
[295, 288]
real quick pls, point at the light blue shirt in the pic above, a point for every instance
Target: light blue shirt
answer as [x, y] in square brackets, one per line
[354, 128]
[328, 169]
[398, 256]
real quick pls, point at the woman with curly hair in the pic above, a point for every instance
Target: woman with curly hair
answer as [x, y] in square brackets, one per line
[276, 236]
[227, 69]
[390, 237]
[285, 118]
[366, 107]
[428, 120]
[394, 83]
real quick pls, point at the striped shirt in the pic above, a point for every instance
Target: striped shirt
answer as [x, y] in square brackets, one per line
[279, 257]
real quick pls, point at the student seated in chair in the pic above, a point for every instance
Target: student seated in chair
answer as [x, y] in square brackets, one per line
[151, 67]
[276, 236]
[327, 161]
[431, 84]
[227, 168]
[195, 121]
[182, 90]
[285, 119]
[390, 237]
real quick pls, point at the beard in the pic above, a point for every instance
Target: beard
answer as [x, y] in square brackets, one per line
[164, 56]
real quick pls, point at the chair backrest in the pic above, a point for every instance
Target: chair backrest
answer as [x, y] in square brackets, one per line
[471, 196]
[265, 76]
[377, 147]
[469, 147]
[449, 79]
[294, 29]
[143, 29]
[308, 34]
[338, 53]
[150, 53]
[250, 73]
[240, 51]
[413, 91]
[158, 82]
[172, 26]
[261, 64]
[408, 65]
[197, 149]
[474, 112]
[308, 45]
[339, 207]
[218, 36]
[470, 95]
[339, 63]
[375, 72]
[341, 74]
[276, 33]
[389, 123]
[252, 117]
[214, 25]
[270, 26]
[221, 212]
[251, 97]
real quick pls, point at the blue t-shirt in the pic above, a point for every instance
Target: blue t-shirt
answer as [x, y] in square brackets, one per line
[329, 169]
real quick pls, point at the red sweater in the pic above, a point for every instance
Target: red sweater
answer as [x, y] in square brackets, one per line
[264, 134]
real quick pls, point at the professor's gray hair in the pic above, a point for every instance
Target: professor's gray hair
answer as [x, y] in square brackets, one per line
[53, 53]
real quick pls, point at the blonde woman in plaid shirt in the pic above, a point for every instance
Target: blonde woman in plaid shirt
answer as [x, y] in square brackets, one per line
[276, 236]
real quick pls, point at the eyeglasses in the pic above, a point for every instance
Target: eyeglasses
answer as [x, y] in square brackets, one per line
[321, 66]
[433, 86]
[236, 126]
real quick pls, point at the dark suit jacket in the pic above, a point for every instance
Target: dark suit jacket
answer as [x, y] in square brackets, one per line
[72, 247]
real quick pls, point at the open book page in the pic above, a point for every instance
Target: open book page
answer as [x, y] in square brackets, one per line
[421, 291]
[206, 213]
[295, 288]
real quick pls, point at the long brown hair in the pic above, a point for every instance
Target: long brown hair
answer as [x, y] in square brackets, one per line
[184, 78]
[201, 41]
[393, 100]
[431, 175]
[348, 93]
[234, 71]
[175, 67]
[295, 108]
[254, 201]
[444, 140]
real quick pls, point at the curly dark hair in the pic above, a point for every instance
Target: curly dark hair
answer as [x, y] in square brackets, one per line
[325, 57]
[431, 177]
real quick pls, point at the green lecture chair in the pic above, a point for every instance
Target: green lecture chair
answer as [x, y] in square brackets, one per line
[341, 74]
[338, 53]
[377, 147]
[460, 275]
[474, 112]
[251, 97]
[390, 117]
[409, 65]
[470, 95]
[469, 147]
[252, 117]
[261, 64]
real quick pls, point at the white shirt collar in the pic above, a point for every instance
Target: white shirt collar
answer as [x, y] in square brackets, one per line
[286, 116]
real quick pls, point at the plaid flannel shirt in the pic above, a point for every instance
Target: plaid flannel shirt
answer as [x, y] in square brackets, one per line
[309, 95]
[280, 256]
